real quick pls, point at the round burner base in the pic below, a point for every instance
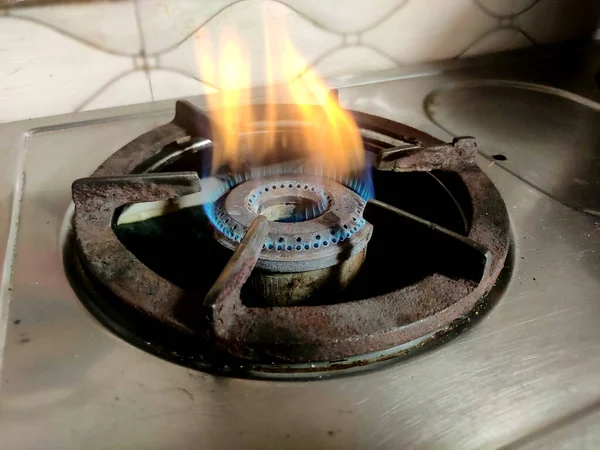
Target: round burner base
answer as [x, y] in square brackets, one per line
[294, 288]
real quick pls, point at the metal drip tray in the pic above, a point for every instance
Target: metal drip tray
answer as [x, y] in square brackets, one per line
[562, 152]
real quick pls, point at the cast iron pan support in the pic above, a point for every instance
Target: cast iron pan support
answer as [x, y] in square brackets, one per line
[297, 334]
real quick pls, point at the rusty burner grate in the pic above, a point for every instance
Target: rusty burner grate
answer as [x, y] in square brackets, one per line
[274, 276]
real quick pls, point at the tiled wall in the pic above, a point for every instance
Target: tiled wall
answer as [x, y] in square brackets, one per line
[71, 56]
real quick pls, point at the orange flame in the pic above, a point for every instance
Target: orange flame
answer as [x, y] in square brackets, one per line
[330, 139]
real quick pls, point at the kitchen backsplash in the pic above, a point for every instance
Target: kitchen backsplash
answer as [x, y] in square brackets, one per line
[71, 56]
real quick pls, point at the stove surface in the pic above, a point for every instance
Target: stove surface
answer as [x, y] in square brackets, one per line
[526, 375]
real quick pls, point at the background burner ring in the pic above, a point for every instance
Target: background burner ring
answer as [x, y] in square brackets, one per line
[333, 225]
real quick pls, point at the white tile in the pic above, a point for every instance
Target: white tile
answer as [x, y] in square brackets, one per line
[248, 21]
[132, 88]
[166, 23]
[167, 84]
[152, 62]
[346, 16]
[506, 8]
[139, 61]
[498, 41]
[352, 39]
[109, 25]
[427, 30]
[557, 20]
[44, 73]
[352, 61]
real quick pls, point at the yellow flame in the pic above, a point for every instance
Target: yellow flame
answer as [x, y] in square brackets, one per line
[330, 140]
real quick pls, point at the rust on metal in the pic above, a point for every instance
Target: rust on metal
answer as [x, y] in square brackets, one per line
[455, 157]
[296, 334]
[239, 266]
[96, 201]
[330, 332]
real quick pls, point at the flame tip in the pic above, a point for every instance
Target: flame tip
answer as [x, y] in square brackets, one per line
[332, 140]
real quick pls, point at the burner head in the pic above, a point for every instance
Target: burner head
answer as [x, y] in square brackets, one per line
[316, 223]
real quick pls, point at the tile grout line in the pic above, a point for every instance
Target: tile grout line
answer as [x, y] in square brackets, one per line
[143, 55]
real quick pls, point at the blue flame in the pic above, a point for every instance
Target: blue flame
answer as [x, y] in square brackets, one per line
[210, 207]
[361, 185]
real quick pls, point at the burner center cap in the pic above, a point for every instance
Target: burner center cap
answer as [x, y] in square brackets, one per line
[289, 202]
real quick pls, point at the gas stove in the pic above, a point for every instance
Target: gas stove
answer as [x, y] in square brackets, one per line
[150, 301]
[296, 293]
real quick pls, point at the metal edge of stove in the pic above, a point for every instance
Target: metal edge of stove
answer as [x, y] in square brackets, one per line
[13, 141]
[13, 138]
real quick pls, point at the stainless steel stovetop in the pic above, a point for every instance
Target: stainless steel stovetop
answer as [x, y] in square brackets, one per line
[526, 376]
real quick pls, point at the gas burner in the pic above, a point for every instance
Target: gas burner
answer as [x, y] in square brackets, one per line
[313, 221]
[278, 276]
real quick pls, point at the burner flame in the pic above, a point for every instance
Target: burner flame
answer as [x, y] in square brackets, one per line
[329, 137]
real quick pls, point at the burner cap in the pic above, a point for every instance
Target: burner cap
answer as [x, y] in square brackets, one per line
[313, 220]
